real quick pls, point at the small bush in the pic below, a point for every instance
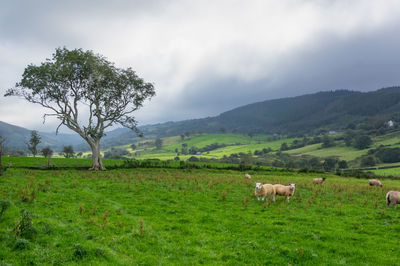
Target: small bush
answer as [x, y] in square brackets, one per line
[24, 227]
[193, 159]
[48, 229]
[21, 244]
[141, 227]
[79, 252]
[368, 161]
[4, 205]
[98, 252]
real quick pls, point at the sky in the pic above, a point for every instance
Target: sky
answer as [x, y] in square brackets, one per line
[205, 57]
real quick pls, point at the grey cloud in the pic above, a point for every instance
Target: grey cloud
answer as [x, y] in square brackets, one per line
[200, 66]
[362, 62]
[49, 21]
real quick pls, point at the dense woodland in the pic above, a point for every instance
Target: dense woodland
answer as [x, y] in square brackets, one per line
[307, 114]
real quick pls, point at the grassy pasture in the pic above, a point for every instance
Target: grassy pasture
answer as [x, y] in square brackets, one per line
[243, 143]
[237, 143]
[170, 216]
[340, 151]
[387, 172]
[58, 162]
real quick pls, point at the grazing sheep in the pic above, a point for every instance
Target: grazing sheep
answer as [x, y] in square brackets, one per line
[318, 180]
[247, 176]
[375, 182]
[269, 190]
[264, 190]
[286, 191]
[392, 197]
[258, 192]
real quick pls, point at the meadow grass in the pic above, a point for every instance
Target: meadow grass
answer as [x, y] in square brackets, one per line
[341, 151]
[387, 172]
[245, 144]
[236, 144]
[58, 162]
[171, 216]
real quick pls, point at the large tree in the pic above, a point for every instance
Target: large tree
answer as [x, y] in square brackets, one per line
[158, 143]
[47, 153]
[75, 82]
[68, 151]
[33, 142]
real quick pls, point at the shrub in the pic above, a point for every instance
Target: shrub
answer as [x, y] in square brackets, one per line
[362, 142]
[368, 161]
[327, 142]
[343, 164]
[193, 159]
[284, 147]
[79, 252]
[116, 153]
[330, 164]
[98, 252]
[4, 204]
[47, 229]
[24, 227]
[21, 244]
[68, 151]
[388, 155]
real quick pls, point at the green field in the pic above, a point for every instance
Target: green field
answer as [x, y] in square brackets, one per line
[342, 152]
[243, 143]
[387, 172]
[185, 217]
[41, 162]
[236, 143]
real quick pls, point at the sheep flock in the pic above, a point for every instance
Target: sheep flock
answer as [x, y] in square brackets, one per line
[265, 191]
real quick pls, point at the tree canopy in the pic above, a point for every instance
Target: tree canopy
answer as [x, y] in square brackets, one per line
[33, 142]
[68, 151]
[74, 83]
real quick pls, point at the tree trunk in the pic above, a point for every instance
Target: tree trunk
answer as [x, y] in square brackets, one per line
[97, 163]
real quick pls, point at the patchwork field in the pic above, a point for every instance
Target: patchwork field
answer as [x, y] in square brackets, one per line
[171, 216]
[342, 152]
[236, 143]
[242, 143]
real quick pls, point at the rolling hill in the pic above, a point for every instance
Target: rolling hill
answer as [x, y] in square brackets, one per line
[16, 138]
[295, 116]
[331, 110]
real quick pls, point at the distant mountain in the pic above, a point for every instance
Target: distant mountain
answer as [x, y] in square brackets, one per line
[295, 115]
[331, 110]
[17, 137]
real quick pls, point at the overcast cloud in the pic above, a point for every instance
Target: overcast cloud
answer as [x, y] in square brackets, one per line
[206, 57]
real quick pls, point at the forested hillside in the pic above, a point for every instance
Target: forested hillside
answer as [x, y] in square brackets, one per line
[332, 110]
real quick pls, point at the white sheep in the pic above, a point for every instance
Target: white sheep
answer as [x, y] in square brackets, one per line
[247, 176]
[286, 191]
[319, 180]
[392, 197]
[374, 182]
[264, 191]
[258, 192]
